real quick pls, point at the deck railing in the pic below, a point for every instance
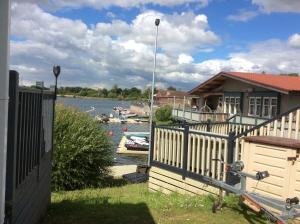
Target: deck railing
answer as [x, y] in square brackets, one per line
[286, 125]
[201, 149]
[189, 152]
[198, 116]
[221, 127]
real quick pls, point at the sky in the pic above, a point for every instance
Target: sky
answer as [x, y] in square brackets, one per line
[99, 43]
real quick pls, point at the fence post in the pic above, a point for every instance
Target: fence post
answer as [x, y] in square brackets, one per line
[230, 147]
[231, 179]
[151, 144]
[41, 135]
[208, 125]
[12, 139]
[185, 149]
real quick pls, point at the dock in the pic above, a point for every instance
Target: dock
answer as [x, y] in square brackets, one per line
[123, 150]
[120, 170]
[127, 121]
[130, 173]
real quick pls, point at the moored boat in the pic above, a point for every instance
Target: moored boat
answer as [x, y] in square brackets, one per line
[138, 141]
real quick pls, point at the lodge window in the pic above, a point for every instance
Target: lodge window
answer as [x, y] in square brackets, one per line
[254, 106]
[262, 106]
[232, 105]
[269, 106]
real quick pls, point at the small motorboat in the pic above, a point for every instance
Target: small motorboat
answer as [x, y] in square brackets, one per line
[128, 114]
[138, 141]
[103, 118]
[141, 120]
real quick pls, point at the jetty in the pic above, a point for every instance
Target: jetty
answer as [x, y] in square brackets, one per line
[130, 173]
[127, 121]
[123, 150]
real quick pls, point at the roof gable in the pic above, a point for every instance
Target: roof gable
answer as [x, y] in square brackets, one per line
[279, 83]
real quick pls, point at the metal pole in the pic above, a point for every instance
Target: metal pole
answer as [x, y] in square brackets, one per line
[174, 102]
[4, 77]
[56, 72]
[183, 107]
[152, 89]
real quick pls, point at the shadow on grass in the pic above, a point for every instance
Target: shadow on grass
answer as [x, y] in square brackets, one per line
[111, 182]
[98, 210]
[248, 214]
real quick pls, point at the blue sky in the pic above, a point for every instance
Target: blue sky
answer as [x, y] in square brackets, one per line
[101, 43]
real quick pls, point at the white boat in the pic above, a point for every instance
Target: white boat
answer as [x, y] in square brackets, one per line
[127, 115]
[138, 141]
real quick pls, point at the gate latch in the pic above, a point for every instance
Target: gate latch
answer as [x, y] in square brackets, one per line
[293, 159]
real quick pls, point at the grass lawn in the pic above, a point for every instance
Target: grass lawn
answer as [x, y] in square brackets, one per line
[133, 204]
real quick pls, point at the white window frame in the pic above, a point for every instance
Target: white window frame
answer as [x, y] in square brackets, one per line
[270, 106]
[228, 107]
[256, 113]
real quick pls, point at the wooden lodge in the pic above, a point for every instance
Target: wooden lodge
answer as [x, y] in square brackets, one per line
[260, 96]
[232, 116]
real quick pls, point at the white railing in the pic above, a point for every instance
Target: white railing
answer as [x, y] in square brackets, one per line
[191, 151]
[199, 116]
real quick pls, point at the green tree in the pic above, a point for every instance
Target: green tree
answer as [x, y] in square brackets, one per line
[163, 113]
[82, 151]
[171, 88]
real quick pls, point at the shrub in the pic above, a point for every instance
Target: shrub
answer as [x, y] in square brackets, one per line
[163, 113]
[82, 151]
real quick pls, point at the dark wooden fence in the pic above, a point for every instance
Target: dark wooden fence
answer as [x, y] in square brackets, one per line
[30, 142]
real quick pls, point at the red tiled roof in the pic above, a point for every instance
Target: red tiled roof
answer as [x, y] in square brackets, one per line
[280, 82]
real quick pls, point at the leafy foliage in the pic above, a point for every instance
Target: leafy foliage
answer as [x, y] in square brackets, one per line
[115, 92]
[163, 113]
[82, 151]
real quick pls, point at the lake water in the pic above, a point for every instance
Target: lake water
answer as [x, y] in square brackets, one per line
[106, 106]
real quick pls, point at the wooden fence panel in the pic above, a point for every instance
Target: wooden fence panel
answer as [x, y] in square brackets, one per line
[29, 152]
[190, 151]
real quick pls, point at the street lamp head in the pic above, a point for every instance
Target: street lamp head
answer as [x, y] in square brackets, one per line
[56, 70]
[157, 21]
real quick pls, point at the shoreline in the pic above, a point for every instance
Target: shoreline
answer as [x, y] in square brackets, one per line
[98, 98]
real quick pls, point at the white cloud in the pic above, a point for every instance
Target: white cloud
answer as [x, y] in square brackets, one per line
[266, 6]
[122, 52]
[178, 33]
[184, 77]
[294, 40]
[270, 6]
[100, 4]
[273, 56]
[185, 59]
[243, 16]
[105, 53]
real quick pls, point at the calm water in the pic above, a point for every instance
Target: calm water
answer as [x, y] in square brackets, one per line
[106, 106]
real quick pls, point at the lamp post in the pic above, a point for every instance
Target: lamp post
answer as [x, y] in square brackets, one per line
[157, 21]
[56, 72]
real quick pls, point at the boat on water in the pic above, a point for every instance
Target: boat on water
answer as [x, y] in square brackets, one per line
[103, 118]
[122, 112]
[142, 120]
[128, 115]
[118, 109]
[137, 141]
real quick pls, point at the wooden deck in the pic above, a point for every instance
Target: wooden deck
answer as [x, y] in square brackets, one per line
[168, 182]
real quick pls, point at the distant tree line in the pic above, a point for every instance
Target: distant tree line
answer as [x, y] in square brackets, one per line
[115, 92]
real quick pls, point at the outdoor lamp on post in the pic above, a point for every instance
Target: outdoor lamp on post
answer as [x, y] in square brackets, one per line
[56, 72]
[157, 21]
